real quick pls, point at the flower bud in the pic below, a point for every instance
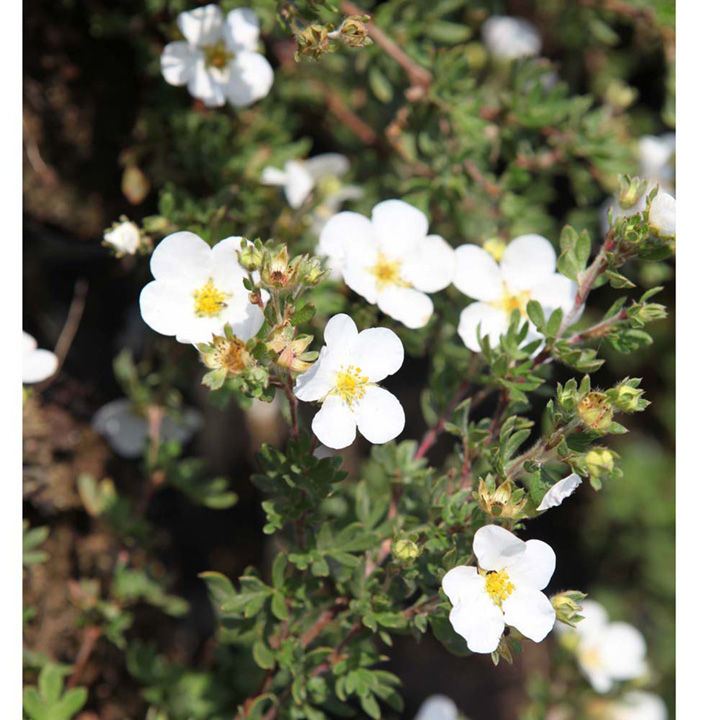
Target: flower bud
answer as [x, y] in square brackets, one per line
[631, 191]
[627, 396]
[250, 256]
[405, 550]
[661, 215]
[505, 501]
[568, 606]
[599, 462]
[595, 411]
[353, 31]
[313, 41]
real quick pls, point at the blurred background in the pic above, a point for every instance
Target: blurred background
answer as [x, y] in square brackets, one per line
[104, 136]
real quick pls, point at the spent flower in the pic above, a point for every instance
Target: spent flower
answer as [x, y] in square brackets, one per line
[560, 491]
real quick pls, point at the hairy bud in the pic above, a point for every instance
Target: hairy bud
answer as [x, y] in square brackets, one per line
[595, 411]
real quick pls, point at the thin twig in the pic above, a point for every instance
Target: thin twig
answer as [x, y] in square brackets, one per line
[90, 637]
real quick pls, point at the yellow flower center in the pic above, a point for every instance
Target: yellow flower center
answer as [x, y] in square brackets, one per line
[350, 384]
[512, 301]
[217, 56]
[495, 247]
[387, 272]
[498, 586]
[209, 301]
[590, 657]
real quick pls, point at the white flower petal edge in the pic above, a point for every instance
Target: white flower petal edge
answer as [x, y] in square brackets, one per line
[390, 260]
[638, 705]
[437, 707]
[37, 364]
[661, 215]
[525, 272]
[560, 491]
[198, 290]
[505, 589]
[344, 378]
[508, 38]
[218, 61]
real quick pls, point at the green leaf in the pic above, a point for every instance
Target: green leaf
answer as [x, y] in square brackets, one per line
[263, 655]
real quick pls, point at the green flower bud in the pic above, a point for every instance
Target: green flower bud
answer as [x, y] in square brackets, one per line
[595, 411]
[567, 606]
[631, 191]
[405, 550]
[599, 462]
[250, 256]
[627, 396]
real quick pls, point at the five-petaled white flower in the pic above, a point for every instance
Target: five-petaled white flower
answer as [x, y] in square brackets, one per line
[505, 588]
[636, 705]
[299, 177]
[124, 238]
[437, 707]
[218, 61]
[509, 38]
[561, 490]
[345, 377]
[661, 214]
[37, 364]
[127, 430]
[390, 259]
[197, 290]
[606, 651]
[525, 272]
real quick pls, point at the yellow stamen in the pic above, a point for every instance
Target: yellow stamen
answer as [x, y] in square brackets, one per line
[217, 55]
[498, 586]
[590, 657]
[495, 247]
[513, 301]
[350, 384]
[387, 272]
[209, 301]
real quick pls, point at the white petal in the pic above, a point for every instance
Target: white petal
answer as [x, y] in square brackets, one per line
[661, 216]
[477, 274]
[245, 319]
[595, 617]
[399, 226]
[496, 547]
[527, 260]
[299, 183]
[29, 343]
[555, 291]
[432, 266]
[224, 256]
[166, 306]
[509, 38]
[251, 77]
[38, 365]
[481, 623]
[201, 26]
[124, 430]
[273, 176]
[178, 62]
[327, 164]
[530, 612]
[639, 705]
[182, 254]
[560, 491]
[534, 567]
[411, 307]
[488, 319]
[463, 584]
[380, 416]
[208, 85]
[241, 29]
[378, 352]
[346, 229]
[318, 381]
[437, 707]
[655, 154]
[598, 677]
[340, 331]
[623, 650]
[357, 264]
[334, 424]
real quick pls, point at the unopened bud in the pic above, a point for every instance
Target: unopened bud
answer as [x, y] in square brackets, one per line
[595, 411]
[250, 256]
[599, 462]
[631, 191]
[405, 550]
[627, 396]
[568, 606]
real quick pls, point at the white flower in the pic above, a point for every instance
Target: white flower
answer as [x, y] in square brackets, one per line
[661, 215]
[37, 364]
[437, 707]
[525, 272]
[390, 259]
[124, 238]
[197, 290]
[508, 38]
[656, 154]
[126, 430]
[505, 588]
[560, 491]
[607, 651]
[300, 176]
[637, 705]
[218, 62]
[345, 378]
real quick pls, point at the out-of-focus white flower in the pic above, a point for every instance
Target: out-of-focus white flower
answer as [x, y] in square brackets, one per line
[127, 431]
[345, 377]
[299, 177]
[197, 290]
[560, 491]
[636, 705]
[525, 272]
[124, 238]
[218, 59]
[661, 215]
[509, 38]
[505, 588]
[437, 707]
[606, 651]
[37, 364]
[656, 154]
[390, 259]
